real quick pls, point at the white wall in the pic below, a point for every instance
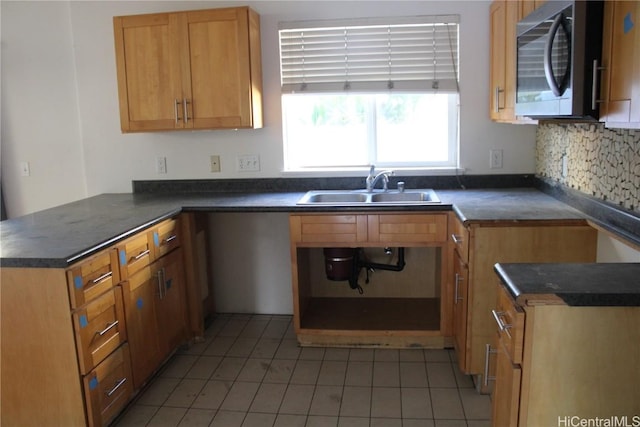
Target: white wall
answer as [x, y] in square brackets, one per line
[60, 106]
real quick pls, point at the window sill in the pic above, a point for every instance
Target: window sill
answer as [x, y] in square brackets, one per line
[363, 171]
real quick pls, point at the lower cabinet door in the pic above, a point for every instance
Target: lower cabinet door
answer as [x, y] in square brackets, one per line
[170, 309]
[460, 294]
[108, 387]
[140, 294]
[506, 390]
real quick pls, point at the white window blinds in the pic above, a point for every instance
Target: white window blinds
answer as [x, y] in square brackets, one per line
[411, 54]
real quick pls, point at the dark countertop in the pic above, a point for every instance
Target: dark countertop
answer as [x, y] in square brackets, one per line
[60, 236]
[574, 284]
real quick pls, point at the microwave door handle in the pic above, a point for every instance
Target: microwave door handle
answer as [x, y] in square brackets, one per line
[548, 69]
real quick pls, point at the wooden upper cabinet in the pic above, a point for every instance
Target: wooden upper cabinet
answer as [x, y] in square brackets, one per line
[189, 70]
[621, 64]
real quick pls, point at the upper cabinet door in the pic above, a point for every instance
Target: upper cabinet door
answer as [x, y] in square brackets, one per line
[148, 67]
[189, 70]
[220, 81]
[621, 62]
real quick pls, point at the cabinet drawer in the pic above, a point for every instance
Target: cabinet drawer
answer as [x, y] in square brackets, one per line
[418, 228]
[459, 237]
[510, 321]
[99, 328]
[108, 387]
[166, 237]
[329, 228]
[92, 277]
[133, 254]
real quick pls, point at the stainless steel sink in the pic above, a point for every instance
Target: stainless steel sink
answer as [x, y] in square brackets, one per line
[362, 198]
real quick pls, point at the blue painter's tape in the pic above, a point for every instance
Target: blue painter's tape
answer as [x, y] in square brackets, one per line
[83, 321]
[628, 23]
[168, 283]
[77, 282]
[156, 238]
[123, 257]
[139, 303]
[93, 383]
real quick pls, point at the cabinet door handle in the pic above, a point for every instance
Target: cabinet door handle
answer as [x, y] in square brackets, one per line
[116, 387]
[101, 278]
[176, 106]
[504, 327]
[594, 85]
[141, 254]
[186, 102]
[487, 354]
[108, 328]
[459, 278]
[497, 100]
[456, 239]
[161, 287]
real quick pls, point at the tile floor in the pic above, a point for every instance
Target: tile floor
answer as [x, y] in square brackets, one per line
[250, 372]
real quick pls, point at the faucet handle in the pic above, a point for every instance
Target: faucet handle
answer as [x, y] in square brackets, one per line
[372, 170]
[401, 186]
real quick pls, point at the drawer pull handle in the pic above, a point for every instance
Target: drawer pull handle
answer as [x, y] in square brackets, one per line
[103, 277]
[456, 239]
[459, 279]
[487, 353]
[108, 328]
[116, 387]
[141, 254]
[504, 327]
[170, 238]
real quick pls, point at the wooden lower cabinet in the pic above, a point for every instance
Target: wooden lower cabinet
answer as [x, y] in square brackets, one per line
[492, 242]
[579, 362]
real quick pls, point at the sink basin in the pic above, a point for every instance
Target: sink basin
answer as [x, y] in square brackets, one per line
[377, 198]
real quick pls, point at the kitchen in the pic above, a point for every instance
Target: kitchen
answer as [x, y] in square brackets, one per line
[85, 154]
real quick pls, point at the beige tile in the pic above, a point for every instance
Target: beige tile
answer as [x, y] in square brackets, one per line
[258, 420]
[476, 406]
[240, 396]
[386, 422]
[288, 420]
[446, 404]
[306, 372]
[450, 423]
[359, 373]
[158, 391]
[212, 395]
[254, 370]
[353, 422]
[288, 349]
[478, 423]
[219, 346]
[276, 328]
[137, 415]
[361, 354]
[197, 418]
[336, 354]
[195, 349]
[386, 355]
[268, 398]
[416, 403]
[265, 348]
[417, 423]
[326, 400]
[242, 347]
[178, 366]
[386, 374]
[435, 355]
[463, 381]
[204, 367]
[385, 402]
[321, 421]
[228, 419]
[185, 393]
[297, 399]
[290, 333]
[228, 369]
[234, 327]
[413, 374]
[356, 402]
[254, 328]
[167, 417]
[332, 372]
[216, 326]
[411, 355]
[441, 375]
[312, 353]
[279, 371]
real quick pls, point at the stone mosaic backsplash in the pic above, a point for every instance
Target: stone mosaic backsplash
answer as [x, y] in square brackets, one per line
[603, 163]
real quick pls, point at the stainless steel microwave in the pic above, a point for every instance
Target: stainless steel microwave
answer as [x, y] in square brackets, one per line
[559, 47]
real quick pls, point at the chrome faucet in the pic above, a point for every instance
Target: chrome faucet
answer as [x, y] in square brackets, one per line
[373, 178]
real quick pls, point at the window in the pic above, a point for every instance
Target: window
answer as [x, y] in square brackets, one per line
[361, 93]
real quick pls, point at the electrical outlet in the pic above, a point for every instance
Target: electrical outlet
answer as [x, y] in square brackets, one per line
[214, 161]
[161, 165]
[248, 163]
[25, 170]
[495, 159]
